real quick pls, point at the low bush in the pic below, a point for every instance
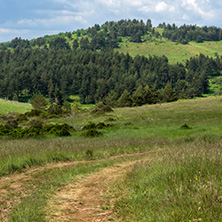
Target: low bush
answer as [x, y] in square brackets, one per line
[35, 123]
[92, 133]
[89, 125]
[12, 124]
[21, 118]
[107, 109]
[62, 132]
[55, 110]
[35, 128]
[185, 126]
[34, 112]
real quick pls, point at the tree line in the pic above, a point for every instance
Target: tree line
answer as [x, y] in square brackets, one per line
[187, 33]
[105, 76]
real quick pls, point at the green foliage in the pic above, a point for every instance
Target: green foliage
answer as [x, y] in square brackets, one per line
[38, 101]
[21, 118]
[62, 132]
[67, 107]
[187, 33]
[35, 129]
[34, 112]
[55, 110]
[89, 125]
[12, 124]
[92, 133]
[185, 126]
[125, 99]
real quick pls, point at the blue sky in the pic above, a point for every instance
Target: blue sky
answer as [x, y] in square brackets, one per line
[34, 18]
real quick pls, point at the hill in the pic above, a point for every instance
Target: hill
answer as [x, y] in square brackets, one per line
[136, 38]
[88, 63]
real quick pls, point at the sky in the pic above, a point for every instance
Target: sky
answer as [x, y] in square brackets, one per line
[35, 18]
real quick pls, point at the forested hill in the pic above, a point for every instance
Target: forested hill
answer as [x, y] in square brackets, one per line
[84, 62]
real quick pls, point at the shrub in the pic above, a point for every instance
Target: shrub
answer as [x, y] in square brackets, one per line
[34, 112]
[101, 125]
[107, 109]
[89, 125]
[12, 124]
[58, 130]
[38, 101]
[21, 118]
[62, 132]
[35, 123]
[111, 119]
[55, 110]
[185, 126]
[92, 133]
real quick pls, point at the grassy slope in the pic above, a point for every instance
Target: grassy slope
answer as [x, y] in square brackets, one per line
[175, 52]
[13, 107]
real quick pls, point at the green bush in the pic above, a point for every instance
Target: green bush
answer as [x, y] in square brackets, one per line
[107, 109]
[34, 112]
[185, 126]
[89, 125]
[92, 133]
[35, 123]
[62, 132]
[12, 124]
[55, 110]
[21, 118]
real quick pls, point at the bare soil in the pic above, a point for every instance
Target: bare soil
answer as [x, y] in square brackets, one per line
[88, 199]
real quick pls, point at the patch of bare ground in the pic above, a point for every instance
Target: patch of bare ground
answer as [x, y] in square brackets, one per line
[88, 198]
[19, 185]
[16, 186]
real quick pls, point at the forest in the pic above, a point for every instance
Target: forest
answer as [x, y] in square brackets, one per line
[89, 67]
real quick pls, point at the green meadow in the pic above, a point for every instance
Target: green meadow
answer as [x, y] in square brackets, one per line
[7, 107]
[181, 182]
[175, 52]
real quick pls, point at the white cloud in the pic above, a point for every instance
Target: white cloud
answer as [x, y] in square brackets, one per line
[162, 6]
[68, 15]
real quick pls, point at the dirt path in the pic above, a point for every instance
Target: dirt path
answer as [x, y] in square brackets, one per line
[19, 185]
[14, 187]
[88, 199]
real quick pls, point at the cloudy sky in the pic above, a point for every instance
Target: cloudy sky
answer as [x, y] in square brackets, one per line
[34, 18]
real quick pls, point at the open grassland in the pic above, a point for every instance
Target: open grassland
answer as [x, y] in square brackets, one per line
[7, 107]
[174, 51]
[179, 181]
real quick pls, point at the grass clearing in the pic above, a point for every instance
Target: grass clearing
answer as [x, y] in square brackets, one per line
[7, 107]
[175, 52]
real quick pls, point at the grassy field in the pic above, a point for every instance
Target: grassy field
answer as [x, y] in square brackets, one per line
[7, 107]
[175, 52]
[181, 183]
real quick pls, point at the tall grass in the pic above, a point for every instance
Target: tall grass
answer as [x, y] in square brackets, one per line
[136, 129]
[183, 185]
